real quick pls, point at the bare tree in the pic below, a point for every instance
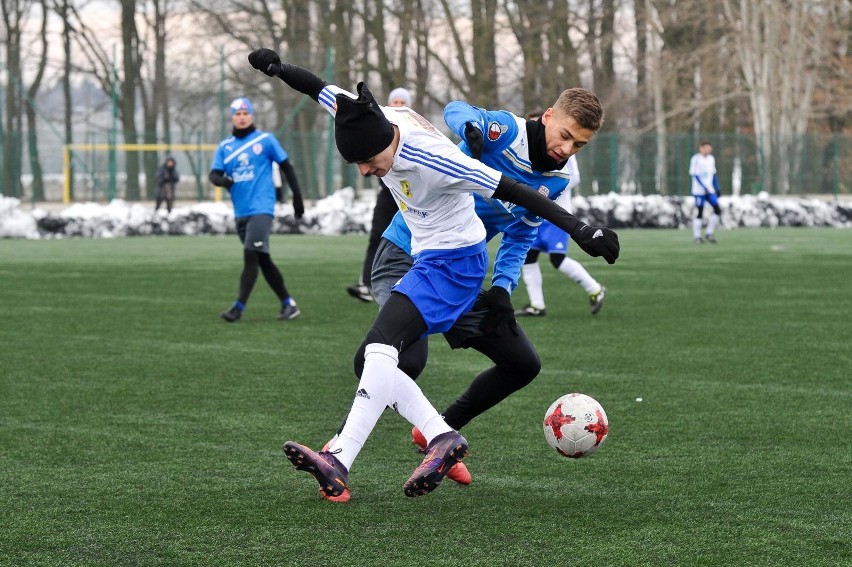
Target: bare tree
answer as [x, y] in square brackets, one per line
[32, 92]
[779, 46]
[62, 9]
[549, 57]
[14, 14]
[476, 79]
[153, 88]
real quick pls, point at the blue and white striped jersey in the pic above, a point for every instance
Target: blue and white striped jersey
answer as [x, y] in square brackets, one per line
[432, 181]
[507, 149]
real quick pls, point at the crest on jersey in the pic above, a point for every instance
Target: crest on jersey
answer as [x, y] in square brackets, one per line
[257, 149]
[495, 130]
[544, 190]
[405, 187]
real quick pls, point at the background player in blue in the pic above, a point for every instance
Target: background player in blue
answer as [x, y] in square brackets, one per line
[705, 189]
[243, 165]
[432, 182]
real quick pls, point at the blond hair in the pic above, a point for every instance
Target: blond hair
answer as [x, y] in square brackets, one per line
[583, 106]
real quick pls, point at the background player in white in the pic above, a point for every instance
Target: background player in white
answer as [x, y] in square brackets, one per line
[553, 241]
[243, 164]
[705, 189]
[432, 182]
[383, 212]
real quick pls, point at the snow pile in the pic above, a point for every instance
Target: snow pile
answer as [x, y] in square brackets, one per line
[342, 213]
[15, 223]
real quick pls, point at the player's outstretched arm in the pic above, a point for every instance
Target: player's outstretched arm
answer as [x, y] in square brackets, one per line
[595, 241]
[269, 63]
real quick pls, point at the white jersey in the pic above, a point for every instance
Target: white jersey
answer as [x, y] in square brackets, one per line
[704, 168]
[432, 181]
[572, 171]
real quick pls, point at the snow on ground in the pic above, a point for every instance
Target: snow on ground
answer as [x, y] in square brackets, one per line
[342, 213]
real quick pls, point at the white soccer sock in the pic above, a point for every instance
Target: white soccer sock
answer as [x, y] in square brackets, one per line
[372, 397]
[696, 227]
[532, 279]
[575, 270]
[712, 223]
[409, 401]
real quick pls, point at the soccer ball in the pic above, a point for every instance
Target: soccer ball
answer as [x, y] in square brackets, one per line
[575, 425]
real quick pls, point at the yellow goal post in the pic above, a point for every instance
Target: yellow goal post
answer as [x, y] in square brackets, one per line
[67, 149]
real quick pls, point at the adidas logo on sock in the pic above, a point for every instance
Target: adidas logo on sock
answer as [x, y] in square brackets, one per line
[362, 393]
[598, 233]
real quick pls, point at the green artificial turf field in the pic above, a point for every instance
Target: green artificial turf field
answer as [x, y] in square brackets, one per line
[138, 428]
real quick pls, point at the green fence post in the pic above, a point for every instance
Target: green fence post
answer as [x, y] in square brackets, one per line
[198, 186]
[113, 137]
[835, 145]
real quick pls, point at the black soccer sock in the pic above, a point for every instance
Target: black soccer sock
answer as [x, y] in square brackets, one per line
[516, 365]
[273, 276]
[249, 275]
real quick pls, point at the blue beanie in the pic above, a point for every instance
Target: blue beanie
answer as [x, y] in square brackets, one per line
[242, 103]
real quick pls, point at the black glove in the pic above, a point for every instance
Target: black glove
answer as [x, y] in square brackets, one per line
[266, 61]
[227, 181]
[473, 137]
[597, 241]
[298, 205]
[500, 315]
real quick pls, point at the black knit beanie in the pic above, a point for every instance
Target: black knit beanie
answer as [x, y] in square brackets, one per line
[360, 127]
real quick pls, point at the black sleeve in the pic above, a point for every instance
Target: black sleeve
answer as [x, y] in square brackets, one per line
[288, 173]
[302, 80]
[217, 178]
[510, 190]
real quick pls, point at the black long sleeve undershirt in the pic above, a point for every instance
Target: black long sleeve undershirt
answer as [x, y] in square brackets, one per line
[218, 178]
[302, 80]
[288, 173]
[510, 190]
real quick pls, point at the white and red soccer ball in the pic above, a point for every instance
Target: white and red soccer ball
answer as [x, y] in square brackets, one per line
[575, 425]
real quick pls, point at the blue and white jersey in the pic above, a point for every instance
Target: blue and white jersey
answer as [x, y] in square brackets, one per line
[249, 162]
[564, 199]
[432, 181]
[702, 169]
[506, 149]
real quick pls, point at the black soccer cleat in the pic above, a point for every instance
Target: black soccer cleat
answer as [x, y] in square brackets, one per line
[232, 315]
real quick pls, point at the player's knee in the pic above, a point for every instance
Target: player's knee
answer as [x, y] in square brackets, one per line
[524, 367]
[359, 361]
[532, 256]
[251, 256]
[556, 260]
[531, 366]
[412, 360]
[700, 214]
[375, 336]
[264, 259]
